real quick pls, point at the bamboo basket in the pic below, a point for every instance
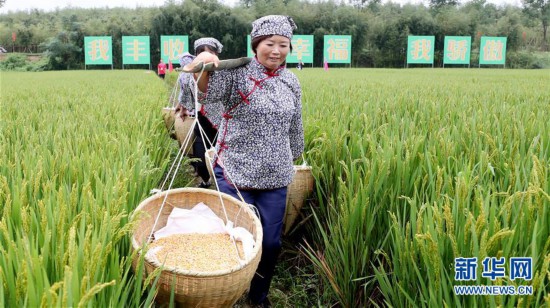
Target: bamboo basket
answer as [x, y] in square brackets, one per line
[182, 127]
[298, 191]
[192, 289]
[168, 114]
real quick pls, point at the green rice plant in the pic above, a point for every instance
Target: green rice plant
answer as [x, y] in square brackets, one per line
[79, 151]
[454, 164]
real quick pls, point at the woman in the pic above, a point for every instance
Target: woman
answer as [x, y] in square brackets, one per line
[161, 69]
[209, 117]
[260, 135]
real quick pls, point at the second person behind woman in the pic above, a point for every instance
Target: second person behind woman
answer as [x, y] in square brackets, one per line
[209, 116]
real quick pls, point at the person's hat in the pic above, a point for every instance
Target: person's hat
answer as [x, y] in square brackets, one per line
[209, 41]
[186, 58]
[273, 25]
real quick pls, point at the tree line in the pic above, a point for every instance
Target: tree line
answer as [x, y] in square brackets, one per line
[379, 31]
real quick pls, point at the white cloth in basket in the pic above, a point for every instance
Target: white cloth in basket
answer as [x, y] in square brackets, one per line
[201, 219]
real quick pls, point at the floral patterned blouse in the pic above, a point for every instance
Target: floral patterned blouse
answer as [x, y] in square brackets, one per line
[261, 132]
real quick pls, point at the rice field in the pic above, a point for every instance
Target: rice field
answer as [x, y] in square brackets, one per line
[418, 167]
[78, 151]
[413, 168]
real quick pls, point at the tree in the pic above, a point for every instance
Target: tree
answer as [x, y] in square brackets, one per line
[371, 4]
[438, 4]
[539, 9]
[62, 53]
[63, 50]
[379, 29]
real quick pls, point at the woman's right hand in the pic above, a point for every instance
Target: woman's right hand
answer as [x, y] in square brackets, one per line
[204, 57]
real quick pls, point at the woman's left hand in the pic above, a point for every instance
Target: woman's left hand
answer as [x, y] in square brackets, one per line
[181, 112]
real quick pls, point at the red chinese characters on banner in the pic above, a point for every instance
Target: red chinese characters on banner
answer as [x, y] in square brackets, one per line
[492, 51]
[99, 49]
[457, 50]
[13, 36]
[136, 48]
[338, 49]
[172, 48]
[421, 49]
[301, 49]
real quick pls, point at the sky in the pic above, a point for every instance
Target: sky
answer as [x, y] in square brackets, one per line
[50, 5]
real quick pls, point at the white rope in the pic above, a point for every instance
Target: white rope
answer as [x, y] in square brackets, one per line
[196, 99]
[183, 146]
[204, 137]
[179, 159]
[197, 110]
[173, 99]
[250, 206]
[196, 91]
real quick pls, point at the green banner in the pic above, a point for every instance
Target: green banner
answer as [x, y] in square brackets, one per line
[302, 49]
[457, 50]
[98, 50]
[420, 49]
[135, 50]
[337, 49]
[249, 52]
[492, 50]
[173, 45]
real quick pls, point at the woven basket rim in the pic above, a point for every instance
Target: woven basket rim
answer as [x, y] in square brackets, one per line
[226, 197]
[302, 167]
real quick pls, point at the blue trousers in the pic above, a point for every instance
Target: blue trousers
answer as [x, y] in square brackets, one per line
[271, 205]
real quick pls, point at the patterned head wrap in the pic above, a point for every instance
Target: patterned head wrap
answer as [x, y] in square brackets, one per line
[210, 42]
[273, 25]
[186, 58]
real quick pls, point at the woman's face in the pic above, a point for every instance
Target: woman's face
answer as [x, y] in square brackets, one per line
[272, 51]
